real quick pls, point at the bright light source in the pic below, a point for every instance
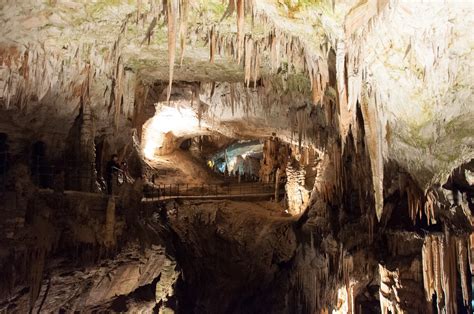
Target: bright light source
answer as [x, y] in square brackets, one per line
[180, 122]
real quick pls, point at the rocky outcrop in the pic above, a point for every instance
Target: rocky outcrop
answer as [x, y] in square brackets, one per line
[78, 251]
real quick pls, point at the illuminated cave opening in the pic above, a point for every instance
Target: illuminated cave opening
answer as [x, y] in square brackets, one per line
[240, 159]
[162, 132]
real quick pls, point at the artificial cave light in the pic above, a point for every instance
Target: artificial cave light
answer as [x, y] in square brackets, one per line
[178, 121]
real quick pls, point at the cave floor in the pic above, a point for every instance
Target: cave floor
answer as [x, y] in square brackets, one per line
[181, 168]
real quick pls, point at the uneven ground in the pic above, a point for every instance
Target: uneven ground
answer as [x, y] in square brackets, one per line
[182, 168]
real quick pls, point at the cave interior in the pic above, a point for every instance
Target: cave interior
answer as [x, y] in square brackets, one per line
[242, 156]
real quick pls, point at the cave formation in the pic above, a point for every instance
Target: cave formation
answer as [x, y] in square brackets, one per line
[271, 156]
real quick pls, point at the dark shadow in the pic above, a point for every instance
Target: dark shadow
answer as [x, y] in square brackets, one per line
[41, 171]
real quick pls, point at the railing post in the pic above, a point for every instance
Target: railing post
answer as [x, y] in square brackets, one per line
[178, 189]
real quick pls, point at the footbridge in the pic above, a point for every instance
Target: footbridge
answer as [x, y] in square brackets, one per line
[227, 190]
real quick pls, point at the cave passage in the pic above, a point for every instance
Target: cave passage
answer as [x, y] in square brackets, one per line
[239, 159]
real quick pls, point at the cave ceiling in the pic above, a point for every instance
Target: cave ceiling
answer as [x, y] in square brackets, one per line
[408, 64]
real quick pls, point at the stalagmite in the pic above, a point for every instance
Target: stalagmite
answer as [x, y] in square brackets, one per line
[171, 15]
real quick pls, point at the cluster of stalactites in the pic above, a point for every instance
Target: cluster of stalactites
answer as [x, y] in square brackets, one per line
[419, 204]
[330, 281]
[32, 73]
[444, 256]
[282, 48]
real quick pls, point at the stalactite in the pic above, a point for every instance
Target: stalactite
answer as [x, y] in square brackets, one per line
[183, 27]
[240, 28]
[171, 15]
[414, 197]
[428, 268]
[302, 121]
[345, 112]
[443, 255]
[247, 102]
[316, 91]
[429, 207]
[232, 97]
[374, 142]
[274, 52]
[230, 9]
[212, 41]
[354, 77]
[248, 59]
[446, 273]
[118, 92]
[463, 267]
[139, 9]
[437, 271]
[256, 69]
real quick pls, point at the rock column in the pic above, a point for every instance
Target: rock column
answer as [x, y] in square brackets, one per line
[87, 169]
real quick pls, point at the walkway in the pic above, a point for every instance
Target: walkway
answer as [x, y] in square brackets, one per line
[211, 191]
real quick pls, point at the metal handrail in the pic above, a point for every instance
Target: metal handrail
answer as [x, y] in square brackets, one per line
[72, 173]
[166, 191]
